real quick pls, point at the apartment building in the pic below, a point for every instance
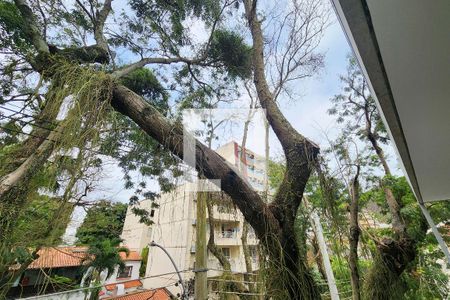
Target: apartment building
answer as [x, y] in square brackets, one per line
[175, 227]
[137, 235]
[253, 166]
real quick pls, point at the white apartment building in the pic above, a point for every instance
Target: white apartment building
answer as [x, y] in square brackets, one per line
[137, 235]
[175, 227]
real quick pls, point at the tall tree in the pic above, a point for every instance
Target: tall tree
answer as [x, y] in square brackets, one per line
[102, 257]
[357, 108]
[160, 25]
[104, 221]
[349, 163]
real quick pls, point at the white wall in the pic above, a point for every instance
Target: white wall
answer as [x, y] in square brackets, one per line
[134, 272]
[136, 235]
[69, 295]
[173, 230]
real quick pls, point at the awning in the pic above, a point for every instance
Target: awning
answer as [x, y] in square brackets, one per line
[403, 47]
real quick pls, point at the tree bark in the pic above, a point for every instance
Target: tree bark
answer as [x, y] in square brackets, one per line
[398, 224]
[35, 151]
[318, 257]
[394, 254]
[233, 285]
[354, 236]
[14, 186]
[301, 156]
[245, 247]
[211, 164]
[266, 161]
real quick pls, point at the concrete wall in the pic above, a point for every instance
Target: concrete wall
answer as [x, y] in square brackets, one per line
[136, 235]
[70, 295]
[134, 272]
[174, 230]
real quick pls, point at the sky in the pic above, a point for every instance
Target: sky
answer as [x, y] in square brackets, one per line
[307, 113]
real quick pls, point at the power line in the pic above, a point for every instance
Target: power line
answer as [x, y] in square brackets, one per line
[29, 116]
[221, 270]
[238, 293]
[100, 286]
[53, 141]
[230, 280]
[49, 129]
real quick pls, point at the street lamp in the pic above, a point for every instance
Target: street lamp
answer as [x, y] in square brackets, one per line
[180, 280]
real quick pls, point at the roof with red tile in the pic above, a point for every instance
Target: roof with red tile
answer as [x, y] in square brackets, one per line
[57, 257]
[127, 284]
[133, 255]
[159, 294]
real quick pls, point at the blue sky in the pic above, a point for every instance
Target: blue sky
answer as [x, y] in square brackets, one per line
[308, 113]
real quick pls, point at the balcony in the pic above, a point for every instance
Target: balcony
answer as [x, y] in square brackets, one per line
[227, 238]
[237, 265]
[232, 234]
[227, 213]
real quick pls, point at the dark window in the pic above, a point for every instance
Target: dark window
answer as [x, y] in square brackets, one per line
[152, 213]
[226, 252]
[125, 273]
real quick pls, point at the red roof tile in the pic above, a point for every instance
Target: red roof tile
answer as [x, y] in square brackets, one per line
[133, 255]
[127, 284]
[57, 257]
[159, 294]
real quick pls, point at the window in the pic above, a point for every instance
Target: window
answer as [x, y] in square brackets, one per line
[152, 213]
[125, 273]
[226, 252]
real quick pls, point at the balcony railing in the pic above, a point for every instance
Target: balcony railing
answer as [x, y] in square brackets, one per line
[228, 234]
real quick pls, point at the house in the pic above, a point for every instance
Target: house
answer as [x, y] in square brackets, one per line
[124, 281]
[45, 274]
[61, 269]
[157, 294]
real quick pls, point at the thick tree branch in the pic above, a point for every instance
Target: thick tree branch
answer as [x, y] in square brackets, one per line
[212, 165]
[156, 60]
[299, 151]
[31, 28]
[99, 24]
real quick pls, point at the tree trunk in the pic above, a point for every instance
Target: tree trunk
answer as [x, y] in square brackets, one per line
[354, 236]
[398, 225]
[301, 155]
[232, 283]
[245, 247]
[394, 254]
[14, 186]
[201, 251]
[318, 257]
[266, 161]
[248, 276]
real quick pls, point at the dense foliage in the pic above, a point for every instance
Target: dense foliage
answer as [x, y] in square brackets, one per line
[104, 221]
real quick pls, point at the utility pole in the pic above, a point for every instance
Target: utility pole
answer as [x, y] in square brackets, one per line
[334, 294]
[201, 267]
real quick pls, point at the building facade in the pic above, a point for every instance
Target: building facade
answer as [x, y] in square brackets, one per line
[175, 227]
[136, 235]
